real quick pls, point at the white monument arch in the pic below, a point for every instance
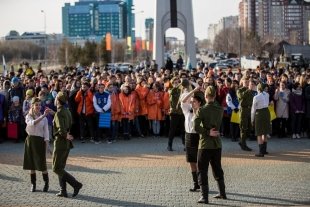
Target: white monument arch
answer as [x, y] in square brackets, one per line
[174, 14]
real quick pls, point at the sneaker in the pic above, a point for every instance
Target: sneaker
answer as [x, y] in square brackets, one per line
[109, 142]
[297, 136]
[98, 142]
[294, 136]
[92, 140]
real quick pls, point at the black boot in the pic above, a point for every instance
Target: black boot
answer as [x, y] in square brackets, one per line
[195, 179]
[63, 188]
[46, 182]
[261, 153]
[74, 183]
[33, 182]
[221, 186]
[204, 194]
[265, 148]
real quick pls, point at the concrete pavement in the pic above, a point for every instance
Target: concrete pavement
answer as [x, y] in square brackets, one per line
[141, 172]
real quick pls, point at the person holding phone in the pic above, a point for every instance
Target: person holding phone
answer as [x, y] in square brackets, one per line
[37, 143]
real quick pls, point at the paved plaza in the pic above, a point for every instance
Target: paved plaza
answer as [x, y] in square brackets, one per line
[140, 172]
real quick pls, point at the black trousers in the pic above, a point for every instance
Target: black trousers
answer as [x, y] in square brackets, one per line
[212, 156]
[176, 125]
[87, 122]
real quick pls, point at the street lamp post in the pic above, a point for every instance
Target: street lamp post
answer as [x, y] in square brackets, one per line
[45, 39]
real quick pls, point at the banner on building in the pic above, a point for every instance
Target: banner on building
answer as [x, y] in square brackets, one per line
[129, 44]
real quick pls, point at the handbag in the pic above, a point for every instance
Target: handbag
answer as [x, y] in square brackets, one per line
[273, 115]
[235, 117]
[104, 120]
[12, 130]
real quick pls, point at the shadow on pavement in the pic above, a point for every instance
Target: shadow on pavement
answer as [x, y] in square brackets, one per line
[106, 201]
[275, 203]
[13, 179]
[89, 170]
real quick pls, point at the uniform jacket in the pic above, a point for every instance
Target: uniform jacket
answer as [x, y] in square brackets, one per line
[61, 125]
[245, 97]
[115, 107]
[166, 103]
[174, 98]
[127, 103]
[89, 108]
[142, 93]
[209, 116]
[155, 105]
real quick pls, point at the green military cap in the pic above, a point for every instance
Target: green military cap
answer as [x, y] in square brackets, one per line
[210, 91]
[261, 87]
[61, 97]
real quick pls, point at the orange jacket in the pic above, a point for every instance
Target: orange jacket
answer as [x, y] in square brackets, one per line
[142, 93]
[127, 104]
[155, 105]
[137, 102]
[89, 108]
[115, 107]
[166, 103]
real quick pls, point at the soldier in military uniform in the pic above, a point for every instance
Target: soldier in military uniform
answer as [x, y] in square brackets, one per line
[62, 145]
[207, 124]
[176, 115]
[245, 97]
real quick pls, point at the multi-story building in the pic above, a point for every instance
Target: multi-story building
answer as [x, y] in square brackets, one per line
[243, 14]
[224, 23]
[277, 19]
[96, 18]
[149, 29]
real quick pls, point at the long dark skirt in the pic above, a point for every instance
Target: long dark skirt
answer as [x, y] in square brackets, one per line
[35, 154]
[191, 145]
[262, 122]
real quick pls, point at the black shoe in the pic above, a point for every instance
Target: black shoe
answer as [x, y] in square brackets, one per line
[63, 188]
[219, 196]
[195, 188]
[169, 149]
[77, 189]
[203, 200]
[62, 194]
[246, 148]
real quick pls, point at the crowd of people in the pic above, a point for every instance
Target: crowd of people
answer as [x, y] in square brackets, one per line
[165, 102]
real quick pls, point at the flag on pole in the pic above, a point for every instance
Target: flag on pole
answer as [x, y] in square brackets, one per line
[4, 67]
[129, 44]
[108, 39]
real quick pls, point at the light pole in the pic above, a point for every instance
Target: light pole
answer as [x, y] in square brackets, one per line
[45, 39]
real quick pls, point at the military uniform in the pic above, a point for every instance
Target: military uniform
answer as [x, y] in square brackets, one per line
[245, 97]
[210, 148]
[176, 116]
[61, 124]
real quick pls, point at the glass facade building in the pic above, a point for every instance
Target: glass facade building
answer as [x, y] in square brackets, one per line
[96, 18]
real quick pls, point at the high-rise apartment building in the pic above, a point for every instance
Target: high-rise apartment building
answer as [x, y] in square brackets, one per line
[96, 18]
[224, 23]
[277, 19]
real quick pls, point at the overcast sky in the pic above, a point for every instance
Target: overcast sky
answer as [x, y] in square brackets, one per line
[26, 15]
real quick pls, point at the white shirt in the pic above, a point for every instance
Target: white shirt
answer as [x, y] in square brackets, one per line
[40, 129]
[260, 101]
[189, 118]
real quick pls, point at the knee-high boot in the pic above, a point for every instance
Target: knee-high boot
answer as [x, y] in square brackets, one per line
[63, 188]
[204, 194]
[261, 152]
[265, 148]
[195, 180]
[221, 187]
[73, 182]
[46, 182]
[33, 182]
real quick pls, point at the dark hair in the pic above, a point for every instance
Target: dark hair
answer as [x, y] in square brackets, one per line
[199, 99]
